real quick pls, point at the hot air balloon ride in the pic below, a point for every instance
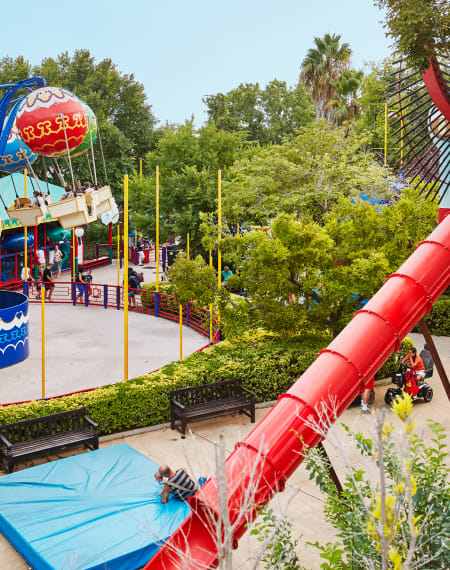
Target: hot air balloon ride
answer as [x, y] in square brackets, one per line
[16, 155]
[54, 122]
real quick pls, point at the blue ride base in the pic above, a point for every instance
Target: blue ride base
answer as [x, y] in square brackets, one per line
[14, 345]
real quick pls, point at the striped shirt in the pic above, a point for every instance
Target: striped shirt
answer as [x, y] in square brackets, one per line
[182, 479]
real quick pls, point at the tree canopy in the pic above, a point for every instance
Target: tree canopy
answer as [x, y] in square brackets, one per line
[267, 116]
[305, 174]
[420, 29]
[188, 161]
[119, 102]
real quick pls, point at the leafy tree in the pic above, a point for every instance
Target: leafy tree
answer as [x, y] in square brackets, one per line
[374, 93]
[345, 104]
[420, 29]
[119, 102]
[321, 69]
[266, 115]
[188, 160]
[305, 175]
[301, 274]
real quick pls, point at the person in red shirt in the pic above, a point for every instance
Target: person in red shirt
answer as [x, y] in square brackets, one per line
[415, 363]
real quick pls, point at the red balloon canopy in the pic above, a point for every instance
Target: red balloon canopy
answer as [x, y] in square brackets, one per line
[50, 120]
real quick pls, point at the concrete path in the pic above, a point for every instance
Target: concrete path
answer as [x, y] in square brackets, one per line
[84, 345]
[303, 499]
[84, 349]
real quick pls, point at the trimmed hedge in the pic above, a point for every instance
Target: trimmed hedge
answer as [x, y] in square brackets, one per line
[267, 364]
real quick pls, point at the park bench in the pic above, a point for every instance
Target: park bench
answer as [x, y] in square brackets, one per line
[39, 436]
[210, 400]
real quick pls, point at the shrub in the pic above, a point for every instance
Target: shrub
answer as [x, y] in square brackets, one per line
[439, 319]
[267, 364]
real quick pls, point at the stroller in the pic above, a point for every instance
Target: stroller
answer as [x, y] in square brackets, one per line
[406, 381]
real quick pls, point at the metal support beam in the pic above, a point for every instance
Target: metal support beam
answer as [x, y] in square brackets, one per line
[435, 355]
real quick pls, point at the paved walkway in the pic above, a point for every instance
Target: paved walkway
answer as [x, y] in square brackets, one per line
[84, 346]
[306, 505]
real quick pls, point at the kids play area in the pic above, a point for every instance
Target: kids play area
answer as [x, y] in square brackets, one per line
[111, 347]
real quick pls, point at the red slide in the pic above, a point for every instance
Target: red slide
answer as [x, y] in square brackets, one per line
[273, 450]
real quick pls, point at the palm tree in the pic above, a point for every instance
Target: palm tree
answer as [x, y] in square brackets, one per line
[345, 103]
[323, 66]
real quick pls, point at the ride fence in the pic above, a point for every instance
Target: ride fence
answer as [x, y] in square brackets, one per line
[112, 296]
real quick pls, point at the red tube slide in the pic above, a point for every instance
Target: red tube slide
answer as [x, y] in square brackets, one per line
[273, 450]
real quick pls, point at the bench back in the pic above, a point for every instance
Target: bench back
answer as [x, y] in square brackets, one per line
[205, 393]
[36, 428]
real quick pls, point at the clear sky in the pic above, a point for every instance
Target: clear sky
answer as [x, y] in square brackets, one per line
[182, 50]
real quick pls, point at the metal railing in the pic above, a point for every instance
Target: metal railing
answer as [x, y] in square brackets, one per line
[112, 296]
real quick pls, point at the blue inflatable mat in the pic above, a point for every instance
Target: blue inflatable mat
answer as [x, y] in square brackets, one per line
[96, 510]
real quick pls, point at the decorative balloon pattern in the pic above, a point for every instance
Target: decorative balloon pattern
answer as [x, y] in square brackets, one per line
[92, 127]
[16, 153]
[47, 116]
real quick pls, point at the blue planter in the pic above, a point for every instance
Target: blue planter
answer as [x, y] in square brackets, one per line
[14, 345]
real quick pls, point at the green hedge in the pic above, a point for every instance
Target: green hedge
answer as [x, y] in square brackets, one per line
[267, 364]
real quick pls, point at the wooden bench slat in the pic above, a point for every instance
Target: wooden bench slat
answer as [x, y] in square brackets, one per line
[210, 400]
[46, 434]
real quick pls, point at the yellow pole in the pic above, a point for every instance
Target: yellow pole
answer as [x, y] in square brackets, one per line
[73, 253]
[157, 229]
[25, 229]
[237, 229]
[43, 337]
[140, 170]
[210, 306]
[181, 330]
[219, 224]
[385, 131]
[125, 278]
[118, 254]
[188, 256]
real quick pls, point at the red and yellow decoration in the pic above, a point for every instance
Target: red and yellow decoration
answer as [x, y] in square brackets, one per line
[41, 119]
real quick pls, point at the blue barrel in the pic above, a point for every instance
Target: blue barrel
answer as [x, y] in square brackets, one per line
[14, 344]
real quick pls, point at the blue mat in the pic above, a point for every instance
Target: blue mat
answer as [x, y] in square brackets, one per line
[93, 511]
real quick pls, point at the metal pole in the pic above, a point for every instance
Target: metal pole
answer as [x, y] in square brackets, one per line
[25, 229]
[125, 279]
[157, 229]
[210, 306]
[385, 131]
[43, 337]
[181, 330]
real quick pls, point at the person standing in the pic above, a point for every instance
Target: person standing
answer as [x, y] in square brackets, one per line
[58, 259]
[40, 258]
[367, 387]
[48, 282]
[80, 286]
[226, 273]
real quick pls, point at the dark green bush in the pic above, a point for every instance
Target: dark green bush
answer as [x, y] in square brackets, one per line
[438, 320]
[267, 364]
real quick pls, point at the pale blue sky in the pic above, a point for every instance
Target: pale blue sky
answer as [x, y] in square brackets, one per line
[182, 50]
